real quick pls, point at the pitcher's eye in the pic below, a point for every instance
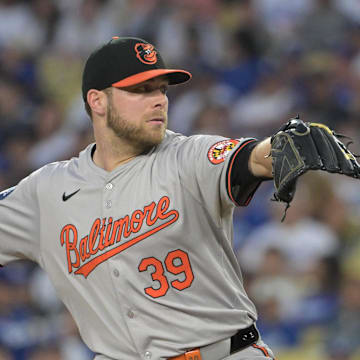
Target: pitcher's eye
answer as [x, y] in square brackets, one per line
[141, 89]
[148, 88]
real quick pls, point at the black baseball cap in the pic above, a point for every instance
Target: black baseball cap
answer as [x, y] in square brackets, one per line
[126, 61]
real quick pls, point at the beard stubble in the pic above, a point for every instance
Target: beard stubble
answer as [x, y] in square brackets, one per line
[137, 135]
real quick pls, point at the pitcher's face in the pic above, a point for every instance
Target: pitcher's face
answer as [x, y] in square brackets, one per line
[138, 114]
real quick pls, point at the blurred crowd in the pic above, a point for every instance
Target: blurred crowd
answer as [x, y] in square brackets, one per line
[255, 64]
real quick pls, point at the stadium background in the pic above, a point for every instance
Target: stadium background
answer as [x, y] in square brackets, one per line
[255, 63]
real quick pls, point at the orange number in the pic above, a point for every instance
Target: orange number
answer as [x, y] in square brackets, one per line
[183, 267]
[176, 262]
[156, 275]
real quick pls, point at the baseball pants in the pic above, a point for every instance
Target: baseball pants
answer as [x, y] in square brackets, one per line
[257, 351]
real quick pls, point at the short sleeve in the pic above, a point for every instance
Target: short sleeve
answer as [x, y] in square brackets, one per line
[203, 169]
[19, 222]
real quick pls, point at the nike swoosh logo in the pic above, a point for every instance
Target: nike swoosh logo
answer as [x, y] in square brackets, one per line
[67, 197]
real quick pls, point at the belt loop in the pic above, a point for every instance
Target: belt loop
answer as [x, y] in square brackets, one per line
[193, 355]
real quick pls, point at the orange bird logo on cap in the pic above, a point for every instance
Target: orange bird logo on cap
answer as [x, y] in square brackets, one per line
[146, 53]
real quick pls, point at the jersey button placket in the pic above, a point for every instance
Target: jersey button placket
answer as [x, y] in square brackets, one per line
[147, 355]
[116, 272]
[108, 187]
[130, 314]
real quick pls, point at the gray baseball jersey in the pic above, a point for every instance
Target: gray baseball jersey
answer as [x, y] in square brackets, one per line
[141, 256]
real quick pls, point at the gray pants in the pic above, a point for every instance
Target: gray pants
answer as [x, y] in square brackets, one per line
[261, 351]
[217, 351]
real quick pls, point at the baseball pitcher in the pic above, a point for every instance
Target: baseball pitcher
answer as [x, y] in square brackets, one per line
[136, 232]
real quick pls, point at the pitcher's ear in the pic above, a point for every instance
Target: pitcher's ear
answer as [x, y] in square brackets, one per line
[97, 101]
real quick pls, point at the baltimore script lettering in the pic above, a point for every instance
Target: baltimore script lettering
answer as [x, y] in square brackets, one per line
[104, 237]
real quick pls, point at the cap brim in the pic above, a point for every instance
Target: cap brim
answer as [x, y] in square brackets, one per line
[174, 76]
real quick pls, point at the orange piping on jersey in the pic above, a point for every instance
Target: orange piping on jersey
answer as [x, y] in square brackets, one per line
[261, 348]
[230, 169]
[94, 243]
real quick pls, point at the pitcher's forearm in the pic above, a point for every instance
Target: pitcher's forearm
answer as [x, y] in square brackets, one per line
[260, 159]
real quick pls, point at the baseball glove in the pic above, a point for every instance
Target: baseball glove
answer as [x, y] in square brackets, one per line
[298, 147]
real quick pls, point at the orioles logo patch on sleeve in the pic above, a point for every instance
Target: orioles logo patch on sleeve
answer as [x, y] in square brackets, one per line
[146, 53]
[219, 151]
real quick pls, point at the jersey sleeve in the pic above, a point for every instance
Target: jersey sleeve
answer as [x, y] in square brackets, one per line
[19, 222]
[241, 183]
[215, 170]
